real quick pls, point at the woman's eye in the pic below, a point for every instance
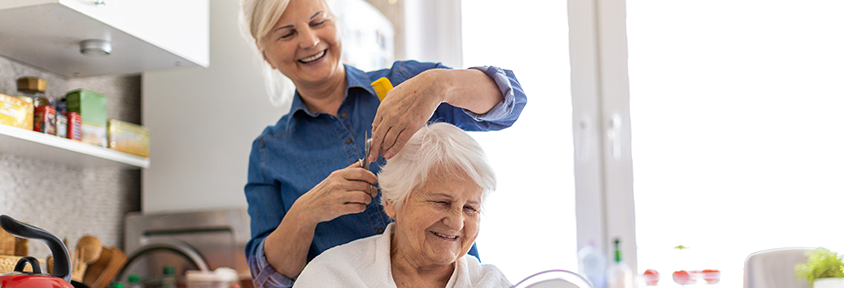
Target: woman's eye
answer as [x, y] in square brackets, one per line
[470, 208]
[288, 35]
[318, 23]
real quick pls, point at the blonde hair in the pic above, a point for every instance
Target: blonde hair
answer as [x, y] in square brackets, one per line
[257, 19]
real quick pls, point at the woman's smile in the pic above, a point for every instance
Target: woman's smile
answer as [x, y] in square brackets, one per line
[304, 46]
[445, 237]
[313, 58]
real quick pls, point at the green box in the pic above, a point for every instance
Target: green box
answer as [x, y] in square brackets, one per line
[92, 107]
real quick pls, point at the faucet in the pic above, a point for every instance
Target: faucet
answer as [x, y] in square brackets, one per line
[177, 246]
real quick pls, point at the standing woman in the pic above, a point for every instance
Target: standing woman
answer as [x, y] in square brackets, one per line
[306, 190]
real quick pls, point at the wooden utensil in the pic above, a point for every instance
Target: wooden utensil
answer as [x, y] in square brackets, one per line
[88, 251]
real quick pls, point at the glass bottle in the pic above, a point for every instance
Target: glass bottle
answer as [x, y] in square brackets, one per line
[44, 113]
[620, 275]
[135, 281]
[169, 279]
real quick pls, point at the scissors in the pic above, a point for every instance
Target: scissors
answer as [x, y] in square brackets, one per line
[364, 163]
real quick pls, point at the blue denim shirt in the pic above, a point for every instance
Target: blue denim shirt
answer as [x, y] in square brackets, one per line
[303, 148]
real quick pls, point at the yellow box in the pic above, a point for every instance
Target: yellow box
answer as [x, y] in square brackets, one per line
[128, 137]
[16, 112]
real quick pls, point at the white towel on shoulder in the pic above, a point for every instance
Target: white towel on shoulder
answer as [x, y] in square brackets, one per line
[366, 263]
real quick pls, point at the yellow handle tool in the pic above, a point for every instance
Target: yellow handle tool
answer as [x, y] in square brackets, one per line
[382, 86]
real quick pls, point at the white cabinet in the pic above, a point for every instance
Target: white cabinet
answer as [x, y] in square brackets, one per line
[204, 122]
[146, 35]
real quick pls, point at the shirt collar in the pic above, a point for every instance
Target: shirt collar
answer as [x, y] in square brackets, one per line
[357, 78]
[354, 78]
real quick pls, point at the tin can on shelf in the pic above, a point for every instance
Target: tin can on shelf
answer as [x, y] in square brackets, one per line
[45, 119]
[92, 107]
[74, 126]
[127, 137]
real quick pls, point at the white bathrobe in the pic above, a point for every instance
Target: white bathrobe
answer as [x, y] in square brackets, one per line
[366, 263]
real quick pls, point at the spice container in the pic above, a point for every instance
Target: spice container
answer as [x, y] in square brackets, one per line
[61, 118]
[74, 126]
[45, 117]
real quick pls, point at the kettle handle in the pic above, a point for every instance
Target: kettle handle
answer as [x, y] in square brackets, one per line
[61, 265]
[36, 267]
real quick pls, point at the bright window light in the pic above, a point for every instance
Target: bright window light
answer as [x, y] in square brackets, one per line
[737, 130]
[529, 222]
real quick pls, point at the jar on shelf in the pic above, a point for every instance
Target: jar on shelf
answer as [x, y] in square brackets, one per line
[44, 114]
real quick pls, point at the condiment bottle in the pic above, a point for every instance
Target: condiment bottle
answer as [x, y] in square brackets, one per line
[169, 279]
[619, 274]
[135, 281]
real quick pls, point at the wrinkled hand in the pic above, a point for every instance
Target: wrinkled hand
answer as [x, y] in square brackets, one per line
[405, 109]
[345, 191]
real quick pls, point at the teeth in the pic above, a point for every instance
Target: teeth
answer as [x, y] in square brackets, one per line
[312, 58]
[444, 236]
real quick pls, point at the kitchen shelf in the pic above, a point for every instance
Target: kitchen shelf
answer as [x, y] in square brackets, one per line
[16, 141]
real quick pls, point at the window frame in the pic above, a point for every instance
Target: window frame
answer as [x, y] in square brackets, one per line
[601, 120]
[599, 92]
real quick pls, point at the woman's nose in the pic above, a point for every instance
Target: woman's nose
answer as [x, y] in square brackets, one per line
[454, 219]
[308, 38]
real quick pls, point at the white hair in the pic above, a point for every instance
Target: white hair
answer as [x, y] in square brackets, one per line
[437, 147]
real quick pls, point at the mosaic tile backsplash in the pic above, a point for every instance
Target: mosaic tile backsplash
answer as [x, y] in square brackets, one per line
[65, 200]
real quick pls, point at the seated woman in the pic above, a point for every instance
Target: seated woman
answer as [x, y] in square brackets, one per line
[434, 189]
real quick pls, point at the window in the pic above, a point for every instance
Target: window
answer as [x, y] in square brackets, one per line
[529, 222]
[736, 130]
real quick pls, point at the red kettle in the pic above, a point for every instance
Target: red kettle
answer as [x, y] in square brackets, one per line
[35, 279]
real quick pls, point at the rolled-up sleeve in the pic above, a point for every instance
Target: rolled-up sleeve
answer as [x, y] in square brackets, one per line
[511, 89]
[263, 274]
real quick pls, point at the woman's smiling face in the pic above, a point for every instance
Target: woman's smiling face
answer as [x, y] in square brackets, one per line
[304, 44]
[439, 221]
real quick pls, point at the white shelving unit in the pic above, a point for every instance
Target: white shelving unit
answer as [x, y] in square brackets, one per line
[45, 147]
[145, 35]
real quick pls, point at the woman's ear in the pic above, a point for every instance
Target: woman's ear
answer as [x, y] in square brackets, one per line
[264, 54]
[390, 209]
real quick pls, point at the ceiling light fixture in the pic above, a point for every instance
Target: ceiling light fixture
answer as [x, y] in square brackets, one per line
[95, 47]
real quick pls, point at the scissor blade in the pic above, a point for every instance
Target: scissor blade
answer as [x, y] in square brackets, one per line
[367, 147]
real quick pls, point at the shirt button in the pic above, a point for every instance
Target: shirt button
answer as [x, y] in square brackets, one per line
[380, 230]
[343, 115]
[348, 140]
